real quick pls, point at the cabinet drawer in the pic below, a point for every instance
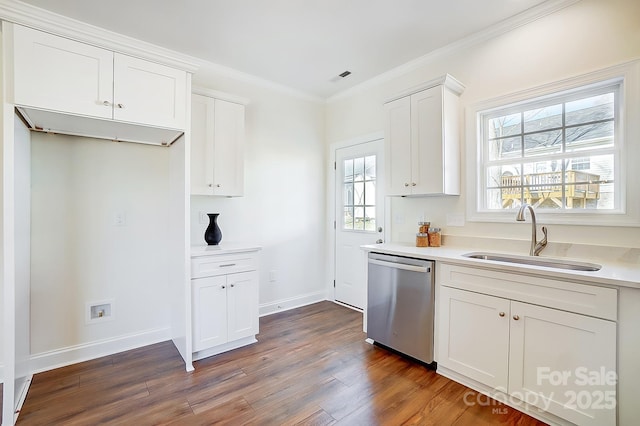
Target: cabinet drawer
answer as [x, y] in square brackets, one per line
[584, 299]
[208, 266]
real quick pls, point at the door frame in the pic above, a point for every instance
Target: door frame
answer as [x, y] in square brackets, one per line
[330, 213]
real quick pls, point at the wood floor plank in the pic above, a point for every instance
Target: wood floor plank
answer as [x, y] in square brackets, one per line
[310, 366]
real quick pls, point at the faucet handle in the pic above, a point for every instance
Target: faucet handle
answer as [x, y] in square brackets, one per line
[542, 244]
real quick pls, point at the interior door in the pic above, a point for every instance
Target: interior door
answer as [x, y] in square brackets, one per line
[359, 183]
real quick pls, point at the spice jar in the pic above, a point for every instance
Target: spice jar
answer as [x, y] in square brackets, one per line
[422, 239]
[435, 237]
[423, 227]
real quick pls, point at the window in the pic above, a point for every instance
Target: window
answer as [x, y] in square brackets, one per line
[359, 189]
[555, 153]
[568, 148]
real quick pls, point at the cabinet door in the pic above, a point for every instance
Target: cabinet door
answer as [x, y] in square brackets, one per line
[427, 142]
[473, 333]
[202, 117]
[397, 152]
[59, 74]
[552, 352]
[242, 300]
[148, 93]
[228, 152]
[209, 312]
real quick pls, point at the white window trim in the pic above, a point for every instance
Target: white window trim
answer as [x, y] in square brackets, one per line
[628, 139]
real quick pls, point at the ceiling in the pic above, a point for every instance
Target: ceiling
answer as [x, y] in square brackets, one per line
[300, 44]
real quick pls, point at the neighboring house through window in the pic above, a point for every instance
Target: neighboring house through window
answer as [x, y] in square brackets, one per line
[559, 149]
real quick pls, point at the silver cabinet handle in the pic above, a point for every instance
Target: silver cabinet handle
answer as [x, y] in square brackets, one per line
[223, 287]
[106, 103]
[210, 185]
[226, 265]
[233, 285]
[379, 241]
[219, 185]
[121, 106]
[413, 184]
[516, 317]
[501, 314]
[406, 184]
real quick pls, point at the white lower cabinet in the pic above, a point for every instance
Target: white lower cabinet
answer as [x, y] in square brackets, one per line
[553, 361]
[224, 309]
[224, 292]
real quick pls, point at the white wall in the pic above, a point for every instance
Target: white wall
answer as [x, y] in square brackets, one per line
[283, 205]
[80, 255]
[587, 36]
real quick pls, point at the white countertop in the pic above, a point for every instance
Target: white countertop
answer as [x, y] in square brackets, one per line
[612, 273]
[224, 248]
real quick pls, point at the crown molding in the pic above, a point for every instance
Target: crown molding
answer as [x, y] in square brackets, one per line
[510, 24]
[44, 20]
[40, 19]
[447, 80]
[232, 73]
[216, 94]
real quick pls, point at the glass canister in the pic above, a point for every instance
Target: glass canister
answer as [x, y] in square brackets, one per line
[422, 239]
[435, 237]
[423, 227]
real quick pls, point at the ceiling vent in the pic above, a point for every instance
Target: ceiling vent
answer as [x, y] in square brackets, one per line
[340, 76]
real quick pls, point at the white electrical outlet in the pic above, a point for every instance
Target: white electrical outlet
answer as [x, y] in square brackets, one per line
[120, 218]
[272, 276]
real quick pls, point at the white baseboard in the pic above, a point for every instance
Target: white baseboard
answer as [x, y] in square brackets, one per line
[291, 303]
[79, 353]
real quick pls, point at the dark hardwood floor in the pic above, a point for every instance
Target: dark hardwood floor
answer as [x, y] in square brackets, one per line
[311, 366]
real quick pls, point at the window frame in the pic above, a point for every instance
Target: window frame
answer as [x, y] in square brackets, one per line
[626, 211]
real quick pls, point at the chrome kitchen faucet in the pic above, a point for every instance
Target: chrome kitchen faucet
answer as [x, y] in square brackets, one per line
[536, 247]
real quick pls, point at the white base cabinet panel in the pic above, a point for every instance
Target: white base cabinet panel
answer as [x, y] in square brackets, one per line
[225, 311]
[474, 336]
[553, 361]
[209, 312]
[564, 363]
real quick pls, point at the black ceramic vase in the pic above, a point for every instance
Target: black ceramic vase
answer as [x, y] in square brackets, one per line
[213, 234]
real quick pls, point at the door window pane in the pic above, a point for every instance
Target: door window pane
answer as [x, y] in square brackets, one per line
[359, 194]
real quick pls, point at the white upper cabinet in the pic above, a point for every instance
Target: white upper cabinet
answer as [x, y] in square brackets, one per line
[217, 146]
[62, 85]
[422, 144]
[148, 93]
[59, 74]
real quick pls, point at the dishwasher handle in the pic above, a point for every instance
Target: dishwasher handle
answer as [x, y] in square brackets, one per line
[404, 266]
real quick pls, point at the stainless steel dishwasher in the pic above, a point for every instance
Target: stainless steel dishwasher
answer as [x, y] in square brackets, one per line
[400, 304]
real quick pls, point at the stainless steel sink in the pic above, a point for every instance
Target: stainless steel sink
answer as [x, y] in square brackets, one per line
[536, 261]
